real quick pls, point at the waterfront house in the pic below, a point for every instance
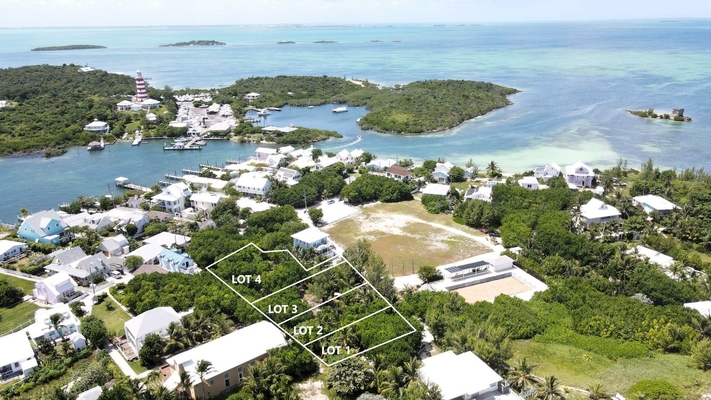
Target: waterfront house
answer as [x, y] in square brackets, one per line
[349, 157]
[205, 183]
[124, 105]
[311, 238]
[481, 193]
[597, 212]
[435, 189]
[465, 376]
[123, 216]
[95, 222]
[441, 172]
[10, 249]
[546, 172]
[53, 289]
[17, 356]
[251, 96]
[155, 321]
[398, 173]
[263, 153]
[579, 175]
[651, 203]
[135, 202]
[274, 160]
[97, 126]
[169, 203]
[285, 150]
[149, 253]
[528, 182]
[114, 246]
[440, 177]
[204, 202]
[174, 260]
[253, 184]
[43, 227]
[43, 328]
[168, 240]
[380, 165]
[288, 175]
[231, 356]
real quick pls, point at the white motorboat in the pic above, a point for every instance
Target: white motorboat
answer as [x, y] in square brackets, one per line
[341, 109]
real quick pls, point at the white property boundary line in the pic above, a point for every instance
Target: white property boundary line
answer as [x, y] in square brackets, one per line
[389, 305]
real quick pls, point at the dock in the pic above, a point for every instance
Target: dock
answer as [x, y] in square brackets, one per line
[185, 146]
[124, 183]
[208, 166]
[190, 171]
[174, 177]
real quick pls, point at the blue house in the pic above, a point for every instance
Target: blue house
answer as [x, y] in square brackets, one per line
[311, 238]
[174, 261]
[43, 227]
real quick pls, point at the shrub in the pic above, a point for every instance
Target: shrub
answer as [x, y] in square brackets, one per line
[701, 354]
[654, 390]
[608, 347]
[429, 273]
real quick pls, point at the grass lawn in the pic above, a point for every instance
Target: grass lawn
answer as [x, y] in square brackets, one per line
[137, 367]
[18, 315]
[112, 319]
[399, 234]
[580, 369]
[24, 284]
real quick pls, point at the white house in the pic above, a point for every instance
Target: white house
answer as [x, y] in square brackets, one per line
[579, 174]
[263, 153]
[652, 255]
[17, 356]
[9, 249]
[123, 216]
[174, 260]
[597, 212]
[286, 150]
[114, 246]
[97, 126]
[480, 193]
[311, 238]
[349, 157]
[231, 356]
[325, 162]
[380, 165]
[149, 253]
[652, 203]
[43, 328]
[547, 172]
[82, 270]
[288, 175]
[441, 172]
[528, 182]
[202, 182]
[398, 173]
[206, 201]
[251, 96]
[274, 160]
[52, 289]
[435, 189]
[124, 105]
[465, 377]
[155, 321]
[168, 240]
[150, 104]
[253, 184]
[170, 202]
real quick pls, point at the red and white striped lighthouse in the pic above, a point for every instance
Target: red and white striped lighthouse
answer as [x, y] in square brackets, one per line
[140, 87]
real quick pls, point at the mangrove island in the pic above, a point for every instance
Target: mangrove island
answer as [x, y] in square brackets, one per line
[69, 47]
[677, 115]
[195, 43]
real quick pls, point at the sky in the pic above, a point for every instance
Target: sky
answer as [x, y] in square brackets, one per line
[50, 13]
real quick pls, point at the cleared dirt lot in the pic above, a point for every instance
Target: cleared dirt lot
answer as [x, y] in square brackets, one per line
[405, 242]
[489, 290]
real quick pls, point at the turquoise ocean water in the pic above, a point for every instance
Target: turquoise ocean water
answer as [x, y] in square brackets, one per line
[576, 80]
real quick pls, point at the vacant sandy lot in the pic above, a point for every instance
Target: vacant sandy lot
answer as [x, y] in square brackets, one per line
[489, 290]
[404, 241]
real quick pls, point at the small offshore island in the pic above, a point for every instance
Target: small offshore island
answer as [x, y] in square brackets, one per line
[287, 42]
[69, 47]
[195, 43]
[677, 115]
[325, 41]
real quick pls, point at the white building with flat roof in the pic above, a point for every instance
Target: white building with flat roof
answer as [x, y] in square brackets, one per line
[17, 356]
[154, 321]
[231, 356]
[310, 238]
[436, 189]
[651, 203]
[466, 377]
[168, 240]
[9, 249]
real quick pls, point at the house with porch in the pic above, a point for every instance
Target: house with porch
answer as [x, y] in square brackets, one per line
[547, 172]
[651, 203]
[155, 321]
[325, 162]
[398, 173]
[84, 270]
[43, 227]
[528, 182]
[204, 202]
[253, 184]
[311, 238]
[10, 249]
[174, 260]
[52, 289]
[231, 357]
[290, 176]
[43, 328]
[481, 193]
[597, 212]
[263, 153]
[97, 126]
[441, 172]
[579, 175]
[17, 356]
[114, 246]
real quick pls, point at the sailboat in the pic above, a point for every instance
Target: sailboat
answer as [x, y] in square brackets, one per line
[310, 106]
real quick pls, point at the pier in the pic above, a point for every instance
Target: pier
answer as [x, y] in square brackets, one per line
[208, 166]
[124, 183]
[191, 171]
[174, 177]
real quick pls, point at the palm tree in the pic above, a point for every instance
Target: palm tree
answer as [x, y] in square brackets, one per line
[409, 368]
[551, 389]
[492, 169]
[256, 382]
[184, 385]
[176, 340]
[521, 375]
[202, 368]
[159, 393]
[393, 382]
[597, 392]
[56, 321]
[24, 212]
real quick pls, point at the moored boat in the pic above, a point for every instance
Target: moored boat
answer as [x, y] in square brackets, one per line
[341, 109]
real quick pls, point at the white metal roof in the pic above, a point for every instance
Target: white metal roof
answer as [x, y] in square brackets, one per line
[598, 209]
[15, 348]
[654, 256]
[310, 235]
[704, 307]
[6, 245]
[147, 252]
[265, 150]
[458, 375]
[209, 197]
[655, 203]
[579, 169]
[168, 239]
[151, 321]
[436, 189]
[229, 351]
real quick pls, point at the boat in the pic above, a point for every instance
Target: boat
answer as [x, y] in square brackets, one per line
[341, 109]
[96, 146]
[137, 139]
[263, 112]
[274, 109]
[181, 146]
[200, 143]
[310, 107]
[181, 140]
[359, 138]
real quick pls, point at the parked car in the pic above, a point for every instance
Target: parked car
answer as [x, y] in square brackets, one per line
[331, 201]
[494, 234]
